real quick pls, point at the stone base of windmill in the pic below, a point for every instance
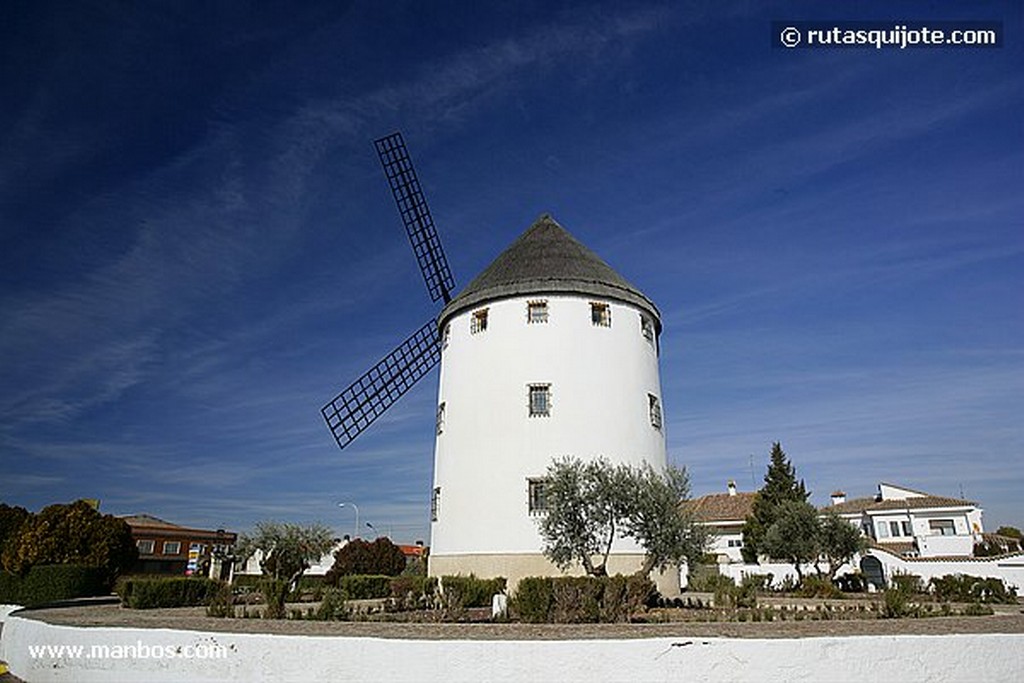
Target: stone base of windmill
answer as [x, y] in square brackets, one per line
[515, 567]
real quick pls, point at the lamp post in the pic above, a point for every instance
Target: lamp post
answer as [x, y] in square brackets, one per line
[356, 527]
[372, 528]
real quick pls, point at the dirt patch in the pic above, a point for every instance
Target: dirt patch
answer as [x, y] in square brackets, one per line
[1007, 620]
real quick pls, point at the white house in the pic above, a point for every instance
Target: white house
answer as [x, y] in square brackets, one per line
[909, 532]
[549, 352]
[913, 523]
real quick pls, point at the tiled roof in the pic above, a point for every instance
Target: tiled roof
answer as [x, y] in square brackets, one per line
[871, 504]
[723, 507]
[546, 259]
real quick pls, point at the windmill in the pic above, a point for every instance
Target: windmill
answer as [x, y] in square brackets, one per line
[353, 410]
[548, 351]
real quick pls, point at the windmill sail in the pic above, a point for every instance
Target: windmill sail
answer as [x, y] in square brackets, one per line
[419, 224]
[366, 399]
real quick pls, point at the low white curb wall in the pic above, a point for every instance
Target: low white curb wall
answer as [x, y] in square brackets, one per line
[260, 657]
[7, 609]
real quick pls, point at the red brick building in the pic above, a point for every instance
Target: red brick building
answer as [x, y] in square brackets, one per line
[166, 548]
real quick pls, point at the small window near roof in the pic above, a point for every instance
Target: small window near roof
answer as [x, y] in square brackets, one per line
[446, 335]
[600, 314]
[647, 328]
[540, 400]
[478, 323]
[172, 547]
[537, 312]
[654, 406]
[145, 547]
[440, 419]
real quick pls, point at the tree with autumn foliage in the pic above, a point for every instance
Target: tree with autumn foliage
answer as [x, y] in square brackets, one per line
[71, 534]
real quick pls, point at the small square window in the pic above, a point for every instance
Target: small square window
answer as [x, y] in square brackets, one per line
[145, 547]
[440, 419]
[942, 527]
[538, 501]
[540, 400]
[654, 406]
[601, 314]
[537, 312]
[435, 503]
[894, 529]
[479, 321]
[647, 328]
[172, 547]
[446, 335]
[883, 530]
[907, 530]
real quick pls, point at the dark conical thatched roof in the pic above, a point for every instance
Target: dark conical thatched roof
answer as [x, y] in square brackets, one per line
[546, 259]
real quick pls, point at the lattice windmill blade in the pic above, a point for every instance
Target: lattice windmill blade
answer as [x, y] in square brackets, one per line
[366, 399]
[419, 224]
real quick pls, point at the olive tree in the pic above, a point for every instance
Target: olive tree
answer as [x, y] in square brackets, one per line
[288, 551]
[589, 504]
[794, 536]
[839, 542]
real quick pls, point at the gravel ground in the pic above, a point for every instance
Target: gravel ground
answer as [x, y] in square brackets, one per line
[1008, 619]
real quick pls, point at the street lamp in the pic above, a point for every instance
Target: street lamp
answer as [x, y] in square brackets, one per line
[356, 527]
[372, 528]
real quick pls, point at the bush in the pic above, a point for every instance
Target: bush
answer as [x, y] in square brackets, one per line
[51, 583]
[818, 587]
[908, 583]
[459, 592]
[963, 588]
[178, 591]
[705, 578]
[360, 557]
[332, 606]
[852, 583]
[275, 592]
[222, 602]
[364, 586]
[583, 599]
[534, 600]
[411, 591]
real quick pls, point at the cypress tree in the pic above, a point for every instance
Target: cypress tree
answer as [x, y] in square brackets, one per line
[780, 486]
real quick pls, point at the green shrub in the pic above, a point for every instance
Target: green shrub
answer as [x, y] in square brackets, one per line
[275, 592]
[908, 583]
[51, 583]
[459, 592]
[364, 586]
[411, 591]
[976, 609]
[707, 579]
[963, 588]
[247, 580]
[177, 591]
[580, 599]
[818, 587]
[222, 602]
[533, 601]
[332, 606]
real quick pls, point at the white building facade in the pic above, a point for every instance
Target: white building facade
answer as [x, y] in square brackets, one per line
[548, 353]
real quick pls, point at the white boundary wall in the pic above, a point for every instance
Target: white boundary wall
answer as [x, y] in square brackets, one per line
[260, 657]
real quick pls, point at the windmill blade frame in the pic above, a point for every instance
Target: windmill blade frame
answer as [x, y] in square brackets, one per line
[353, 410]
[419, 224]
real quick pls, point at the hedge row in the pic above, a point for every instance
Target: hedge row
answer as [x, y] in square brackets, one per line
[364, 586]
[469, 591]
[50, 583]
[176, 591]
[583, 599]
[963, 588]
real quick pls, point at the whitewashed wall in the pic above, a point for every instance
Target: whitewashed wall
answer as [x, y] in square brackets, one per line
[600, 378]
[936, 659]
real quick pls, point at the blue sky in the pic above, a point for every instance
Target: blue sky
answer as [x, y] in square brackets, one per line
[198, 248]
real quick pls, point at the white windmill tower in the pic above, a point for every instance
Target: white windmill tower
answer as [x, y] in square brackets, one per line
[547, 353]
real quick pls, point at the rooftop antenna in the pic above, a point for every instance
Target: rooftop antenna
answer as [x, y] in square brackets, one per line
[353, 410]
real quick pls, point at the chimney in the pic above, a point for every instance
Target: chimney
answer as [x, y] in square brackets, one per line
[732, 487]
[838, 497]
